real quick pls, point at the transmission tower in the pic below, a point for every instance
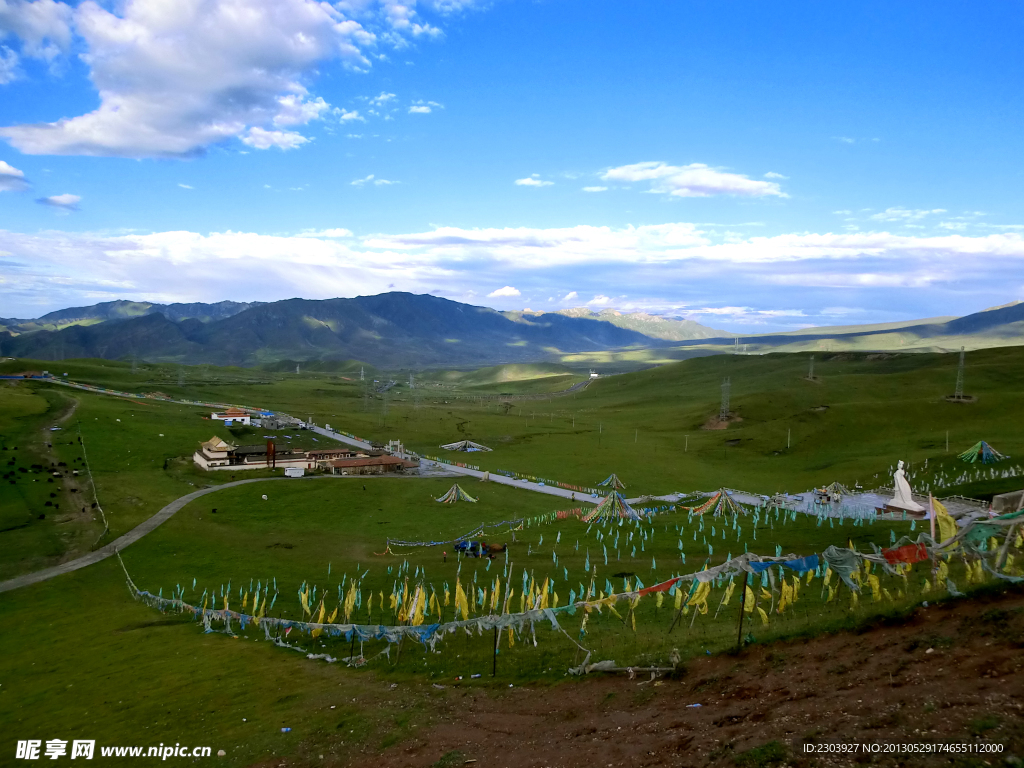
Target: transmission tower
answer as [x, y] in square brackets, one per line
[412, 383]
[723, 412]
[959, 393]
[362, 374]
[736, 345]
[181, 376]
[296, 368]
[810, 373]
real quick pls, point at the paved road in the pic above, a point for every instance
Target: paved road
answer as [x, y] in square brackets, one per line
[551, 490]
[120, 543]
[168, 511]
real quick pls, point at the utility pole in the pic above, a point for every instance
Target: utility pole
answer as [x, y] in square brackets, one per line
[810, 373]
[959, 393]
[736, 345]
[723, 412]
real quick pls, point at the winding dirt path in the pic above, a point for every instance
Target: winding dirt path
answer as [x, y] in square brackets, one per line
[121, 542]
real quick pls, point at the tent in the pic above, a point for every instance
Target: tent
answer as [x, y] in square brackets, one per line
[455, 493]
[465, 445]
[612, 506]
[720, 503]
[983, 452]
[613, 482]
[839, 488]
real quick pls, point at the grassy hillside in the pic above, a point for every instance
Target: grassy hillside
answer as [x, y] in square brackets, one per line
[174, 683]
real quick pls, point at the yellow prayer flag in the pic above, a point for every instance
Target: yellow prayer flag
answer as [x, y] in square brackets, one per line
[728, 592]
[319, 619]
[763, 615]
[748, 607]
[701, 595]
[946, 524]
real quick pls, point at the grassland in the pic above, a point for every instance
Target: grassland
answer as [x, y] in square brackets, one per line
[85, 656]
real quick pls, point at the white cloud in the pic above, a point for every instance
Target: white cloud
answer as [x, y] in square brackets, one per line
[508, 290]
[383, 99]
[8, 65]
[74, 268]
[11, 179]
[773, 175]
[43, 26]
[845, 140]
[65, 201]
[185, 186]
[337, 232]
[174, 78]
[533, 182]
[419, 109]
[905, 215]
[259, 138]
[371, 179]
[345, 115]
[694, 180]
[595, 189]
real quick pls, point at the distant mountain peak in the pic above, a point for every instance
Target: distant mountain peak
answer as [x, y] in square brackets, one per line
[655, 326]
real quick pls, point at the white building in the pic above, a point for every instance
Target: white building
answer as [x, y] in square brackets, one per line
[234, 415]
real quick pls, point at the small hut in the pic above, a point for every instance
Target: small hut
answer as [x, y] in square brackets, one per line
[720, 503]
[467, 446]
[613, 482]
[983, 452]
[455, 493]
[613, 506]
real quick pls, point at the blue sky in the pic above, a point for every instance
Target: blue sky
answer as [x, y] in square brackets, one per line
[753, 166]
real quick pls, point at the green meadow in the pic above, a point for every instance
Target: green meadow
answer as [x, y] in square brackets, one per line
[84, 655]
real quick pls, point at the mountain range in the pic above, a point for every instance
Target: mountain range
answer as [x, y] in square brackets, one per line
[389, 330]
[404, 330]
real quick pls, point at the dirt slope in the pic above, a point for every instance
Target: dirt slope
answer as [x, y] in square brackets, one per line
[951, 673]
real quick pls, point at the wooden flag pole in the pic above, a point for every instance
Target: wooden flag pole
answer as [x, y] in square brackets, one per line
[931, 514]
[743, 605]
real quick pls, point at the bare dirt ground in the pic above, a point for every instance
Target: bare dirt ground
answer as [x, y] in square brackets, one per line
[949, 674]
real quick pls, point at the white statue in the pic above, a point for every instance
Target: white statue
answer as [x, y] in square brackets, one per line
[903, 498]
